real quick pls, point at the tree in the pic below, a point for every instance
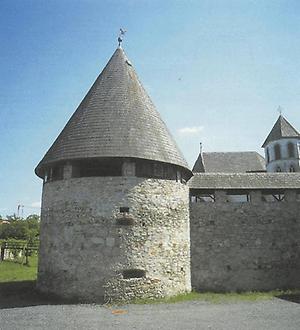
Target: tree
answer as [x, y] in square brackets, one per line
[12, 217]
[33, 227]
[24, 229]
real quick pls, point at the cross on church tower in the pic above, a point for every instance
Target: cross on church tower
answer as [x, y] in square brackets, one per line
[280, 110]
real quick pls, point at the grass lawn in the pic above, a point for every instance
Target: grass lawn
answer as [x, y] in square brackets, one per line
[12, 271]
[17, 288]
[217, 298]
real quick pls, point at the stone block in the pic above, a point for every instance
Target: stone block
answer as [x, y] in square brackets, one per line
[97, 240]
[110, 241]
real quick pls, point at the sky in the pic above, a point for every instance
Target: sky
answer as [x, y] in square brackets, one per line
[217, 72]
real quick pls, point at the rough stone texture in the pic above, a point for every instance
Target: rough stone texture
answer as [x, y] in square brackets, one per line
[118, 289]
[83, 250]
[245, 246]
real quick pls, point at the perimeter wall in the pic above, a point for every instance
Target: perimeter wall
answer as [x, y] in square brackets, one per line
[245, 246]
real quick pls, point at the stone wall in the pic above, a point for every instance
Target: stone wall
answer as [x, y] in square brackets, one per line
[245, 246]
[85, 248]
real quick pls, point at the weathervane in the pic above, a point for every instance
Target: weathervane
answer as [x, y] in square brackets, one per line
[120, 37]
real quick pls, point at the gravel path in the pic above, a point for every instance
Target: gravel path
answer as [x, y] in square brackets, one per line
[266, 315]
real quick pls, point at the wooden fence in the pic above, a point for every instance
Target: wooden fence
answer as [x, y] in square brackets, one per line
[25, 249]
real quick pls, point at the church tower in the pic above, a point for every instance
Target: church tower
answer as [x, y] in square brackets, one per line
[282, 147]
[115, 210]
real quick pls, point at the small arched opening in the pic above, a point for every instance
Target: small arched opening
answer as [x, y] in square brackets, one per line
[277, 151]
[268, 155]
[292, 169]
[291, 150]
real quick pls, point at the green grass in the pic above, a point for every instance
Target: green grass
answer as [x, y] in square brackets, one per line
[217, 298]
[12, 271]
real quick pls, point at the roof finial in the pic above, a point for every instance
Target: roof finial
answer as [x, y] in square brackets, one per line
[280, 110]
[120, 37]
[201, 147]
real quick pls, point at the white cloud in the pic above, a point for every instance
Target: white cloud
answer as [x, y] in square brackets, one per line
[36, 204]
[194, 130]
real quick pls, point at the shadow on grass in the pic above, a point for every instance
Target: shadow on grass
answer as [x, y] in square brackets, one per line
[292, 297]
[25, 294]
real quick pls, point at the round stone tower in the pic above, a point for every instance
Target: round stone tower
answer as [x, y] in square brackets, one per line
[115, 214]
[282, 147]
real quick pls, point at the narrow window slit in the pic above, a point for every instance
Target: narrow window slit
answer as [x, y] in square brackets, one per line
[124, 209]
[134, 273]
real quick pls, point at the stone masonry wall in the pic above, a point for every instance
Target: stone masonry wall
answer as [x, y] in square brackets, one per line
[84, 249]
[245, 246]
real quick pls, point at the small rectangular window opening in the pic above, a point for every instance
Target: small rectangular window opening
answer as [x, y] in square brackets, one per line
[238, 197]
[203, 198]
[134, 273]
[124, 209]
[57, 173]
[271, 197]
[54, 174]
[158, 170]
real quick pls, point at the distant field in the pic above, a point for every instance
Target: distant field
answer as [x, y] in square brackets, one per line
[12, 271]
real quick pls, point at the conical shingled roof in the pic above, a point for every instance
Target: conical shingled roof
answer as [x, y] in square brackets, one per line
[282, 129]
[115, 119]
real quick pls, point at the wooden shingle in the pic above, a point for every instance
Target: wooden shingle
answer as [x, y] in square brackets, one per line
[115, 119]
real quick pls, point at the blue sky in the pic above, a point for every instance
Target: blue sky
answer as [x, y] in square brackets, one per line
[216, 70]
